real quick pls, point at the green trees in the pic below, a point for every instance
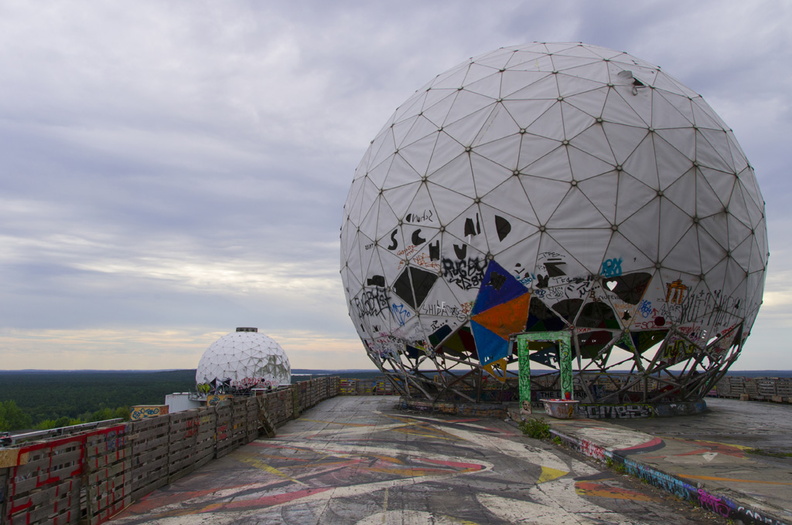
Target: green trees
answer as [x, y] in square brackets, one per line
[12, 417]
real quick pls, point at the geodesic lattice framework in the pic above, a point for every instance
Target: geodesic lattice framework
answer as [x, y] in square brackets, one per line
[242, 360]
[549, 188]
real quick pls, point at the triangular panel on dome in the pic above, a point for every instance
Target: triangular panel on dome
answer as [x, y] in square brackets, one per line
[642, 164]
[683, 140]
[594, 142]
[448, 203]
[624, 139]
[407, 111]
[464, 258]
[671, 164]
[631, 260]
[549, 124]
[642, 229]
[487, 174]
[520, 259]
[755, 209]
[499, 126]
[498, 286]
[468, 104]
[526, 112]
[533, 148]
[758, 261]
[618, 110]
[708, 201]
[743, 207]
[717, 142]
[670, 85]
[386, 259]
[682, 192]
[576, 211]
[575, 120]
[585, 166]
[741, 254]
[594, 72]
[590, 102]
[489, 345]
[376, 176]
[739, 232]
[632, 196]
[570, 84]
[589, 255]
[399, 198]
[505, 151]
[674, 224]
[671, 111]
[684, 256]
[738, 160]
[545, 88]
[453, 78]
[704, 117]
[457, 173]
[711, 250]
[416, 156]
[488, 84]
[513, 81]
[496, 60]
[531, 58]
[405, 128]
[555, 264]
[465, 127]
[602, 192]
[503, 229]
[383, 219]
[437, 104]
[446, 149]
[545, 194]
[554, 165]
[506, 318]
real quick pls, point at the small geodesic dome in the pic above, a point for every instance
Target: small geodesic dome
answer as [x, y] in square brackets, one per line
[244, 359]
[555, 188]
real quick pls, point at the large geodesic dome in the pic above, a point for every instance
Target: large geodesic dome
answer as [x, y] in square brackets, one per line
[242, 360]
[552, 191]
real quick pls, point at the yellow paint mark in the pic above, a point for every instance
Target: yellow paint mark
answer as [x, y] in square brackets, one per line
[713, 478]
[549, 474]
[607, 493]
[256, 463]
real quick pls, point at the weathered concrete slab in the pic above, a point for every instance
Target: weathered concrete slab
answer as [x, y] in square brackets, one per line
[705, 458]
[359, 460]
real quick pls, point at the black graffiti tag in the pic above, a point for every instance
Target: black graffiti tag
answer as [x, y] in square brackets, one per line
[467, 273]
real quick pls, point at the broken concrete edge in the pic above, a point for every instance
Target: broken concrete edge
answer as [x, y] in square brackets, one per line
[752, 512]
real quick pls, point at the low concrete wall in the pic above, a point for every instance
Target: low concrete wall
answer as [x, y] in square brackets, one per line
[776, 389]
[92, 475]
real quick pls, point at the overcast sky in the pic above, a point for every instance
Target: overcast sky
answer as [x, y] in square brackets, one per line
[172, 170]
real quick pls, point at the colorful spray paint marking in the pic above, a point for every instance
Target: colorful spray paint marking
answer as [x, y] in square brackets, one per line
[563, 339]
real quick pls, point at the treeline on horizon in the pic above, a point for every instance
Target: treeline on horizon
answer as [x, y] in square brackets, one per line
[42, 399]
[37, 400]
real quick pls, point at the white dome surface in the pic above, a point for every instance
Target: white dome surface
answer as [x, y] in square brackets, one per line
[554, 187]
[246, 357]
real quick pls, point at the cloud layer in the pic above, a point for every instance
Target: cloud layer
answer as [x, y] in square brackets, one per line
[171, 170]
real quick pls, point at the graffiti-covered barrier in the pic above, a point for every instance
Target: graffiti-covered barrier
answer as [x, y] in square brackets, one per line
[92, 475]
[777, 389]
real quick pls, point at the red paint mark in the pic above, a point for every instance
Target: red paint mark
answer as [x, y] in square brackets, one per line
[266, 501]
[651, 445]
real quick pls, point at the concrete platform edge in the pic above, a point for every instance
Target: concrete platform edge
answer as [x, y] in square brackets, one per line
[740, 507]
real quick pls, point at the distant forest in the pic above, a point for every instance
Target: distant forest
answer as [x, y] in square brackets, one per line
[45, 399]
[40, 399]
[56, 397]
